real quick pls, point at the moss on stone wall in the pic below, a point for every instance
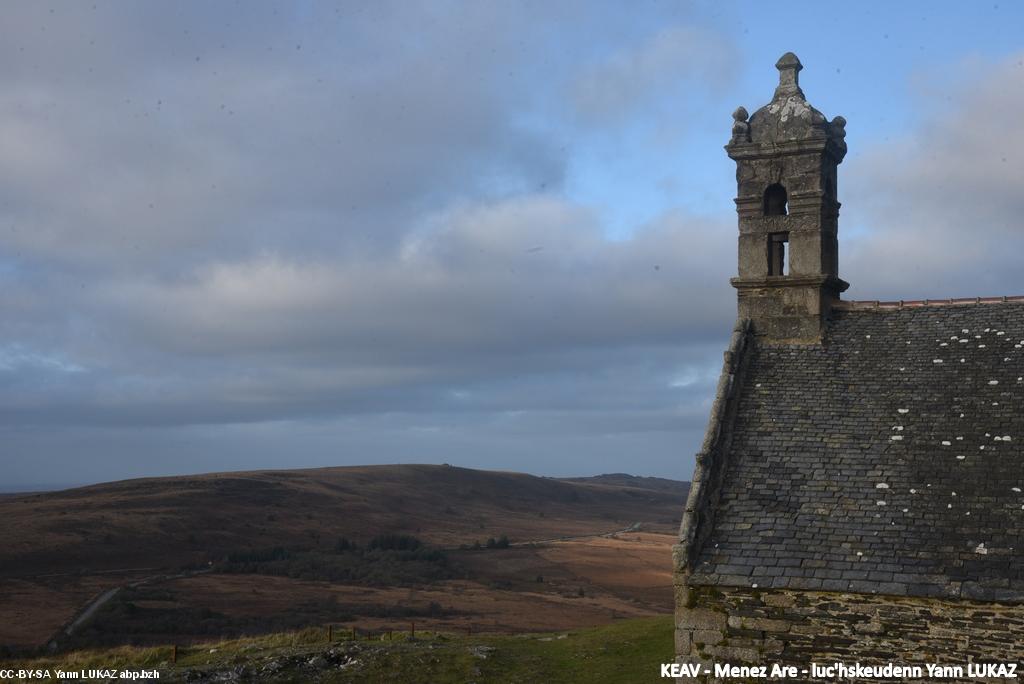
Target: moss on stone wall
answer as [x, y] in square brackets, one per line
[749, 626]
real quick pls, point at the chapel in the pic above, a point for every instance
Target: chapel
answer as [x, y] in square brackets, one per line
[858, 493]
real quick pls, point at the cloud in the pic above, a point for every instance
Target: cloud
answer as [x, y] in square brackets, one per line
[300, 236]
[211, 141]
[484, 299]
[216, 226]
[665, 65]
[939, 211]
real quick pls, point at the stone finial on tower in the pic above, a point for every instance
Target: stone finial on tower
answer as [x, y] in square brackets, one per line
[786, 156]
[838, 131]
[789, 67]
[740, 127]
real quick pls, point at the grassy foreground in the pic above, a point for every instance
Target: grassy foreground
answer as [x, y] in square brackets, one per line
[627, 651]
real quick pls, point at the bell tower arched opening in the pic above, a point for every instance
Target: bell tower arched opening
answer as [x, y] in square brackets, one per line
[776, 201]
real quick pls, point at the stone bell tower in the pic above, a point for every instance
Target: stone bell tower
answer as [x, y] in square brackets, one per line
[786, 158]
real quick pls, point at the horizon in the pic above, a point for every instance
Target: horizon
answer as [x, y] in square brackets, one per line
[495, 236]
[43, 488]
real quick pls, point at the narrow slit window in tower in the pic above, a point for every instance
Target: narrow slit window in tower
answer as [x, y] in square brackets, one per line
[778, 257]
[775, 200]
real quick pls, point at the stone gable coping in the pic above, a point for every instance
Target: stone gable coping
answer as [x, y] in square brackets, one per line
[706, 480]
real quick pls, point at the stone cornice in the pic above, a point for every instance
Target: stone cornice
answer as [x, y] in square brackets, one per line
[768, 150]
[829, 282]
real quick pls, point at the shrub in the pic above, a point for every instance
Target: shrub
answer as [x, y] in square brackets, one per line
[400, 542]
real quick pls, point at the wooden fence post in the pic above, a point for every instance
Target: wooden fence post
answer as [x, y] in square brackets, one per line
[330, 633]
[412, 629]
[174, 653]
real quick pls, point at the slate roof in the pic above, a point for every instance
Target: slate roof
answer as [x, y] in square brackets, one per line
[890, 459]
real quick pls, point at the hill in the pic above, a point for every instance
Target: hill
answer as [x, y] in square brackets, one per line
[626, 652]
[176, 546]
[658, 484]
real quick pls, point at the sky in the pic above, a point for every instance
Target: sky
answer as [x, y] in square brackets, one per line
[251, 235]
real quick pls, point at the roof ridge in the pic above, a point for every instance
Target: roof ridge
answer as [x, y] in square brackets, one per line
[915, 303]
